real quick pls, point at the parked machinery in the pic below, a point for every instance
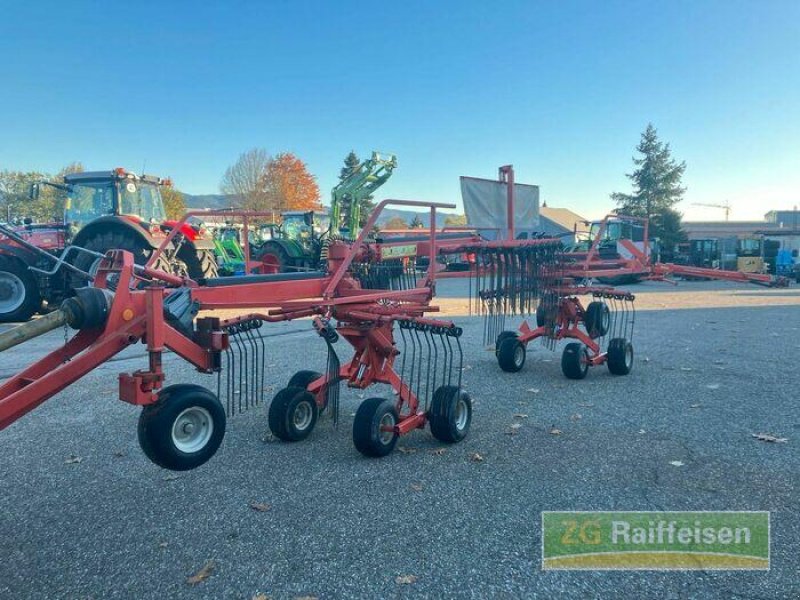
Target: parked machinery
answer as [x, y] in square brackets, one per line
[357, 298]
[103, 210]
[299, 243]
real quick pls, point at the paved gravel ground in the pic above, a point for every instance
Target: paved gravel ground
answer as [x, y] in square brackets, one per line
[340, 525]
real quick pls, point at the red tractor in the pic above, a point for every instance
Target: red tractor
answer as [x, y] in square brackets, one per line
[103, 210]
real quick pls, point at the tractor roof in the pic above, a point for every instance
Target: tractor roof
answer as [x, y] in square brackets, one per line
[116, 174]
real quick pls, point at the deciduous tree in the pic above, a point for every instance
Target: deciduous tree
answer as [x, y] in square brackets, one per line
[174, 202]
[244, 180]
[288, 185]
[455, 220]
[396, 223]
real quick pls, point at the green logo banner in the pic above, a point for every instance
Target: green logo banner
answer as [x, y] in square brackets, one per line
[655, 540]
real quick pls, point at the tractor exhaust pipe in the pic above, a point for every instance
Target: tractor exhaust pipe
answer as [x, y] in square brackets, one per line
[87, 310]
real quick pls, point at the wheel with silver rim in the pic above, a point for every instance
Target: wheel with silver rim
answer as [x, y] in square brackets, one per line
[293, 414]
[511, 355]
[184, 429]
[19, 292]
[374, 432]
[575, 361]
[450, 414]
[620, 356]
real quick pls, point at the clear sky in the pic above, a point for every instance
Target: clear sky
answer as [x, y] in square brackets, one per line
[561, 89]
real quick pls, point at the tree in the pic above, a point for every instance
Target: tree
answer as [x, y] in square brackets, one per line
[15, 202]
[416, 223]
[656, 187]
[244, 180]
[668, 223]
[174, 202]
[396, 223]
[455, 220]
[288, 185]
[351, 163]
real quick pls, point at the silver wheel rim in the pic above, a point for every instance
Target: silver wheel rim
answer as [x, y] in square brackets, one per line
[12, 292]
[519, 354]
[462, 414]
[192, 430]
[386, 437]
[584, 359]
[302, 416]
[628, 356]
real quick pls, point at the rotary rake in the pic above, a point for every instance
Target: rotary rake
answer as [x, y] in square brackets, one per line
[181, 426]
[526, 277]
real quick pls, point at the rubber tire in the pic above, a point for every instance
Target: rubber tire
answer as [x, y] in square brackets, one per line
[366, 427]
[617, 351]
[442, 414]
[102, 243]
[282, 258]
[156, 421]
[281, 410]
[541, 315]
[507, 355]
[301, 379]
[200, 264]
[32, 301]
[597, 319]
[504, 335]
[573, 364]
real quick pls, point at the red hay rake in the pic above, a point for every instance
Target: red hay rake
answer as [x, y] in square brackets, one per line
[526, 277]
[181, 426]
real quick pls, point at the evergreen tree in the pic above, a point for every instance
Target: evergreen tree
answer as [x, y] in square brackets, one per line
[656, 189]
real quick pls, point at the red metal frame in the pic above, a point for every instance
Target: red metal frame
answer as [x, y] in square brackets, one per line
[571, 314]
[365, 319]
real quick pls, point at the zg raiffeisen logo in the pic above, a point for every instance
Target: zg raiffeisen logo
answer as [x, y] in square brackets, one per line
[655, 540]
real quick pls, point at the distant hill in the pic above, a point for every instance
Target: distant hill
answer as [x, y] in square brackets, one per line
[218, 201]
[214, 201]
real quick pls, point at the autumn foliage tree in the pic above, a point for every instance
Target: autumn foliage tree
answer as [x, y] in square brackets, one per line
[174, 202]
[288, 185]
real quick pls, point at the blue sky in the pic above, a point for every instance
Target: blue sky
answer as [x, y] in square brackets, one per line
[562, 90]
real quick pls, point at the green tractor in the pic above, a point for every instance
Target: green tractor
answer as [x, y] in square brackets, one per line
[299, 243]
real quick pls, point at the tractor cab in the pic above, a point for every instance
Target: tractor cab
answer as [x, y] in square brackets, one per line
[97, 194]
[615, 234]
[304, 227]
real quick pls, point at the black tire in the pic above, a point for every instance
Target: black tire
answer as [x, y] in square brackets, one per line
[19, 292]
[450, 414]
[574, 361]
[367, 435]
[301, 379]
[511, 355]
[200, 264]
[102, 243]
[164, 427]
[541, 315]
[504, 335]
[274, 252]
[597, 319]
[620, 356]
[293, 414]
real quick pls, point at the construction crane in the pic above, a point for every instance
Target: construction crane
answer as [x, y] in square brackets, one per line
[346, 197]
[726, 207]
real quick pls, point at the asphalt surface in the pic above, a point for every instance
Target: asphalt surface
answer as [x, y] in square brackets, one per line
[112, 525]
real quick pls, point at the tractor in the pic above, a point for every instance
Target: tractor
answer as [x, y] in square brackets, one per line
[103, 210]
[300, 242]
